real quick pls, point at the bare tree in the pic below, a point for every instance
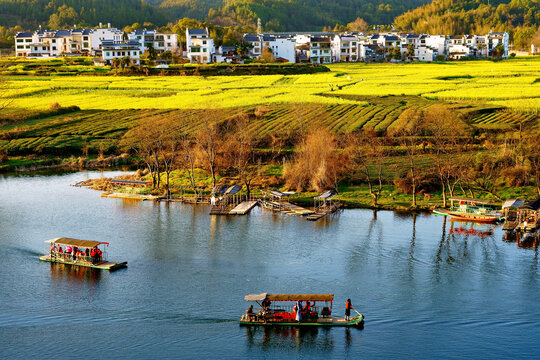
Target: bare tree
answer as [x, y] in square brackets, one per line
[406, 131]
[317, 164]
[242, 151]
[446, 130]
[367, 159]
[209, 142]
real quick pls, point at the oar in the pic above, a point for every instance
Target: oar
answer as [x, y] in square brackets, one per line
[357, 312]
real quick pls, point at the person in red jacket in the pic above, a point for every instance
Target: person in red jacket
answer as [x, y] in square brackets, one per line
[348, 307]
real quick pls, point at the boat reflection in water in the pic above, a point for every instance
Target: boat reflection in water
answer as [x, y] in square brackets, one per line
[62, 273]
[313, 338]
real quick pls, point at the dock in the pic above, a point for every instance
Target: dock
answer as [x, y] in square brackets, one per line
[103, 265]
[286, 208]
[323, 212]
[243, 208]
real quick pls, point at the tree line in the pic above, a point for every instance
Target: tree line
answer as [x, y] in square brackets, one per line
[425, 151]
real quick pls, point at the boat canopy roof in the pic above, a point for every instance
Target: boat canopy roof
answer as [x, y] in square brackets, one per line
[513, 203]
[477, 201]
[289, 297]
[327, 195]
[76, 242]
[532, 205]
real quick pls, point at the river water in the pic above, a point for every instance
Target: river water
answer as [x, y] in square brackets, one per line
[425, 292]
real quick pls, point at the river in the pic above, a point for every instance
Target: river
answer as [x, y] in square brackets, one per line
[425, 292]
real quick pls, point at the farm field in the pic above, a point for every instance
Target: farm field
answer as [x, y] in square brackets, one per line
[489, 95]
[513, 83]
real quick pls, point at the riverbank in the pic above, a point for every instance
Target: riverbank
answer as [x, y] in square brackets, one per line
[351, 197]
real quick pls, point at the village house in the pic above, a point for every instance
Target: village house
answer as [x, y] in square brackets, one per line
[200, 46]
[101, 34]
[160, 42]
[281, 48]
[344, 48]
[320, 50]
[111, 49]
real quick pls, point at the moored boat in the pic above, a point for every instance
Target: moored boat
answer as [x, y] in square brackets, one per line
[471, 210]
[288, 310]
[80, 253]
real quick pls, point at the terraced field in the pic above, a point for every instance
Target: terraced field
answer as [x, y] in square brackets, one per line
[101, 129]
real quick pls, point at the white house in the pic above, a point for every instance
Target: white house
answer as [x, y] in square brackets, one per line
[344, 48]
[23, 41]
[284, 48]
[320, 50]
[100, 34]
[256, 46]
[161, 42]
[426, 53]
[496, 39]
[200, 46]
[111, 49]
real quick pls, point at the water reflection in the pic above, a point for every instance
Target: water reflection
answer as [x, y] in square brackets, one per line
[61, 273]
[312, 338]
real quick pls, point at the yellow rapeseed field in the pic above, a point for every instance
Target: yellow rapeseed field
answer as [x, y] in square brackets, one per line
[514, 83]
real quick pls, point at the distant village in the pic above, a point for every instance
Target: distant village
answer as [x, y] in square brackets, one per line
[106, 43]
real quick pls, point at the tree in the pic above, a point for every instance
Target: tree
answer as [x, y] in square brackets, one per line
[396, 53]
[317, 164]
[406, 131]
[410, 51]
[241, 151]
[367, 156]
[358, 25]
[209, 142]
[151, 53]
[267, 55]
[242, 49]
[445, 129]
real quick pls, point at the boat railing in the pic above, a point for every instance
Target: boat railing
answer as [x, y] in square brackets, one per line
[77, 259]
[473, 209]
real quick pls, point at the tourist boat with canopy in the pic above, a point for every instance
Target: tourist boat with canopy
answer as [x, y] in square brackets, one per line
[81, 253]
[473, 210]
[283, 309]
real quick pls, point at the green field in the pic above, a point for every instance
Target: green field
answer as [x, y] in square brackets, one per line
[489, 95]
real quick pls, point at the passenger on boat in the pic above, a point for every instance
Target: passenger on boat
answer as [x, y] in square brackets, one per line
[93, 255]
[348, 307]
[266, 304]
[250, 316]
[74, 253]
[298, 309]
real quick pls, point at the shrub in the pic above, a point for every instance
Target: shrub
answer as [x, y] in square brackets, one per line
[55, 106]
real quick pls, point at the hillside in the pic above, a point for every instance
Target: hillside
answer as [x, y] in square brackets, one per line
[30, 13]
[291, 15]
[276, 15]
[470, 16]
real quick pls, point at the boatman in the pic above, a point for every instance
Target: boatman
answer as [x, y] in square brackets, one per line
[348, 307]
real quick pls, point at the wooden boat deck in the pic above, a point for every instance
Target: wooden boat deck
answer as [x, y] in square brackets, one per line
[103, 265]
[243, 208]
[330, 321]
[128, 196]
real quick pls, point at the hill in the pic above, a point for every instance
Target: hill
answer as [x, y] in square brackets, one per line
[276, 15]
[291, 15]
[471, 16]
[30, 13]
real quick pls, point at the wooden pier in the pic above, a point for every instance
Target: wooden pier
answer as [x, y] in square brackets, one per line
[243, 208]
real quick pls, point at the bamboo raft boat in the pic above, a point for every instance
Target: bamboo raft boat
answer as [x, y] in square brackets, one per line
[274, 313]
[91, 257]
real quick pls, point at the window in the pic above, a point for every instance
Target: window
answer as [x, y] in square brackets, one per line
[161, 44]
[204, 49]
[20, 46]
[54, 47]
[135, 53]
[204, 42]
[53, 41]
[168, 37]
[28, 40]
[85, 38]
[107, 53]
[85, 44]
[44, 48]
[314, 52]
[168, 44]
[20, 40]
[138, 37]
